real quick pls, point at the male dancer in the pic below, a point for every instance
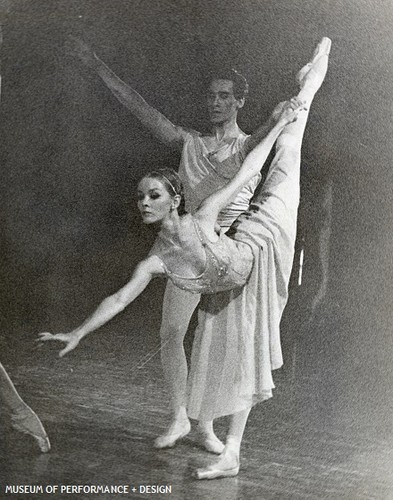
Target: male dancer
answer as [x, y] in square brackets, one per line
[207, 162]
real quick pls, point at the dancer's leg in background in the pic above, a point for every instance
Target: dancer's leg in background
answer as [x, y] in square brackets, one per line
[23, 417]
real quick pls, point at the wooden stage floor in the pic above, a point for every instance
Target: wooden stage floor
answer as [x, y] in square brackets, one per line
[102, 417]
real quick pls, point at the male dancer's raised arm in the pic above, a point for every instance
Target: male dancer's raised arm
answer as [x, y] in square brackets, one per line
[158, 124]
[162, 128]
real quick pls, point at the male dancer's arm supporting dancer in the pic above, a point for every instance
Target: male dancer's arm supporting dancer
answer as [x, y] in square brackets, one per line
[206, 165]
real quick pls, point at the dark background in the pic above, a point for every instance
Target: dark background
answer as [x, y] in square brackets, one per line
[71, 156]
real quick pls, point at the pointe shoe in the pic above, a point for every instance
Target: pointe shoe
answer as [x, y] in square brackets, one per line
[213, 472]
[169, 439]
[27, 422]
[211, 443]
[316, 63]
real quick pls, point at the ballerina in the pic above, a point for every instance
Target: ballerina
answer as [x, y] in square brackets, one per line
[207, 162]
[256, 256]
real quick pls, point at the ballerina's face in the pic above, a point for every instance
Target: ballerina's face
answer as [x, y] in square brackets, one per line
[154, 201]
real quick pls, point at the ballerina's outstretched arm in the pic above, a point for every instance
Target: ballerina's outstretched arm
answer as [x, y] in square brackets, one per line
[109, 307]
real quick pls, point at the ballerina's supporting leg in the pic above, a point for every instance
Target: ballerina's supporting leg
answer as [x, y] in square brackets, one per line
[178, 308]
[23, 418]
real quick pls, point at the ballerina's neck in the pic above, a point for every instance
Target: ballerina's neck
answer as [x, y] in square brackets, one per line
[174, 229]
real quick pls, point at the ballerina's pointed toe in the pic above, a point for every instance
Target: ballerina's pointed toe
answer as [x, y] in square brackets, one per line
[313, 73]
[323, 49]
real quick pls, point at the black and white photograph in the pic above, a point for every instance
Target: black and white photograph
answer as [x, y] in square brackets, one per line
[196, 269]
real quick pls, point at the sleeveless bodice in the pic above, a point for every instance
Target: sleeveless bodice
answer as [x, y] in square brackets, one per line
[228, 265]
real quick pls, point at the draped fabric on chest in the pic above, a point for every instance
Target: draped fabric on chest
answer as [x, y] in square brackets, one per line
[204, 172]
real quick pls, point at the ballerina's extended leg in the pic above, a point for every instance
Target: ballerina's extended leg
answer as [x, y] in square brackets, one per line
[311, 76]
[279, 196]
[322, 51]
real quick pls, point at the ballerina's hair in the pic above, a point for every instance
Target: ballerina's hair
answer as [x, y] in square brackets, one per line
[240, 85]
[171, 180]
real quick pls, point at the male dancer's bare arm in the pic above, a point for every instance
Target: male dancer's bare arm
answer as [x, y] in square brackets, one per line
[111, 306]
[162, 128]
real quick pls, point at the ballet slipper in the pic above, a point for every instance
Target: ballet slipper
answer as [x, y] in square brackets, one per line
[317, 62]
[28, 422]
[210, 473]
[176, 431]
[210, 442]
[216, 471]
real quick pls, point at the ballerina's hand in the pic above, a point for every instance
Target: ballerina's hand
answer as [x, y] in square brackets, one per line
[71, 339]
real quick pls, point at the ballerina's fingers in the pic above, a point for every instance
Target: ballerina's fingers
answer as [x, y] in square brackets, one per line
[295, 102]
[68, 348]
[44, 336]
[71, 341]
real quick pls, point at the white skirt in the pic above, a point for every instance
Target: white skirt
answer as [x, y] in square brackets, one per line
[237, 341]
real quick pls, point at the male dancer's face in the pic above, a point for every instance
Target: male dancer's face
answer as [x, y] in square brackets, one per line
[222, 104]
